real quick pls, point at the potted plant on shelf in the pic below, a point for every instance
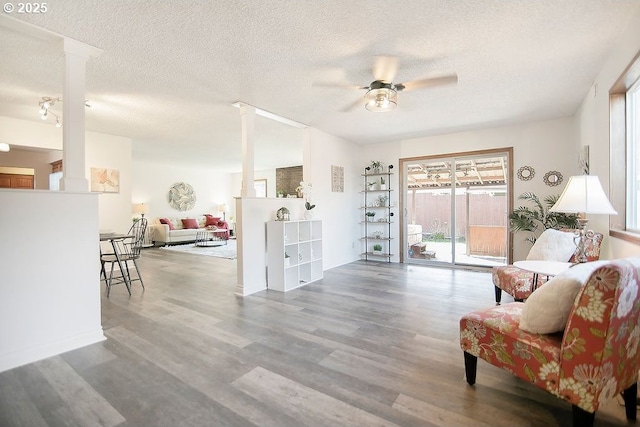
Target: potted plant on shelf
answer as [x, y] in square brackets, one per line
[383, 185]
[371, 186]
[307, 213]
[376, 166]
[370, 216]
[377, 249]
[382, 201]
[280, 193]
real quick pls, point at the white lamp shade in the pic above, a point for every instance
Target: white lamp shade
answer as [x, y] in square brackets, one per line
[140, 208]
[584, 194]
[223, 207]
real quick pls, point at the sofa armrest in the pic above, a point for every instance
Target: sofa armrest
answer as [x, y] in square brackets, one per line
[159, 233]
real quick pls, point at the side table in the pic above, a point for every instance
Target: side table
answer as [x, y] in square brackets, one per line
[546, 268]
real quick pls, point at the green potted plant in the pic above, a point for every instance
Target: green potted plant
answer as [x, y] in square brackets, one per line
[307, 213]
[280, 193]
[377, 249]
[383, 184]
[382, 200]
[370, 216]
[376, 166]
[371, 186]
[537, 219]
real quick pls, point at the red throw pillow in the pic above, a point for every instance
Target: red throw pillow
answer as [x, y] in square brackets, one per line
[166, 221]
[212, 220]
[189, 223]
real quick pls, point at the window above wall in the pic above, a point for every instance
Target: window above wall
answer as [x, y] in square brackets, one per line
[624, 102]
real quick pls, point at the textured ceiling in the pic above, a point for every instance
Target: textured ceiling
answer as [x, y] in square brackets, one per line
[171, 70]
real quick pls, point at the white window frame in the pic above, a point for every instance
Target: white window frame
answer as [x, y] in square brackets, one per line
[624, 159]
[633, 159]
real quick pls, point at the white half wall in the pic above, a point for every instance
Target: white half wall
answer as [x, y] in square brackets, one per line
[49, 279]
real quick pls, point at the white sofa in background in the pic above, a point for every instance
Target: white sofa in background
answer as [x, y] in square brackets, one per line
[162, 234]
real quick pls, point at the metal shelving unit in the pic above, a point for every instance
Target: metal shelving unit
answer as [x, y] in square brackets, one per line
[377, 231]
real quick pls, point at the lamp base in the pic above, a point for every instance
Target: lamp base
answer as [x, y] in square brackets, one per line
[581, 240]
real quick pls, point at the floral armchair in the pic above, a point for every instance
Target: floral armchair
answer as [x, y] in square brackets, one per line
[519, 283]
[590, 362]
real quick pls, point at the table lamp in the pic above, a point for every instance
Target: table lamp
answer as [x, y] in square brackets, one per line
[583, 195]
[223, 208]
[140, 208]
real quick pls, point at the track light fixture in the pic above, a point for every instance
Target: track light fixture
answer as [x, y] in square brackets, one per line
[45, 108]
[45, 105]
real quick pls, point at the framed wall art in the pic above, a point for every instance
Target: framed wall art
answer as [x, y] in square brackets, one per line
[337, 179]
[105, 180]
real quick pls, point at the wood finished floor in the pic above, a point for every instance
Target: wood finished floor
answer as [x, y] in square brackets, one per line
[369, 345]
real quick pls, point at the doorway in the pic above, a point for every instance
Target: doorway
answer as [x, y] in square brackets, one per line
[455, 208]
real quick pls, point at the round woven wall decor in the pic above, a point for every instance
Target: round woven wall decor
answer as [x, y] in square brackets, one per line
[526, 173]
[181, 196]
[552, 178]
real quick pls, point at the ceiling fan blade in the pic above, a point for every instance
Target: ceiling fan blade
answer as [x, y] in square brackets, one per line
[385, 68]
[358, 103]
[340, 85]
[425, 83]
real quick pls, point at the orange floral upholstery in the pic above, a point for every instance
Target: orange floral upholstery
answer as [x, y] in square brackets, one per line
[517, 282]
[594, 359]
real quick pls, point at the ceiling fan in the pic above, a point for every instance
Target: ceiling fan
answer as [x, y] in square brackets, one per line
[382, 93]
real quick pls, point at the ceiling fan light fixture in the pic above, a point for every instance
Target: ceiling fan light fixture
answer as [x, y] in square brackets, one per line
[381, 99]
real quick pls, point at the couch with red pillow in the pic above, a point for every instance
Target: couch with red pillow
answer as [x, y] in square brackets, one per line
[184, 229]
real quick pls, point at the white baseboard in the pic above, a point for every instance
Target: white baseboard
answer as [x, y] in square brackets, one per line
[29, 355]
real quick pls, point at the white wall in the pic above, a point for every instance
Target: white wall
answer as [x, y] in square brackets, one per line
[38, 160]
[340, 212]
[593, 124]
[101, 151]
[546, 146]
[113, 152]
[49, 274]
[151, 183]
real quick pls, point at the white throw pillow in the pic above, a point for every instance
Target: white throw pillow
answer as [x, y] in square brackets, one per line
[547, 308]
[553, 245]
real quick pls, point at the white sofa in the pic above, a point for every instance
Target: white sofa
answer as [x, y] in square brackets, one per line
[161, 234]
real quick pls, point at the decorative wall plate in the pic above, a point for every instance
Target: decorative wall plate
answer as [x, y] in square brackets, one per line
[552, 178]
[181, 196]
[526, 173]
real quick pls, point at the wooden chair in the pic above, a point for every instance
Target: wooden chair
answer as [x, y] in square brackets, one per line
[594, 359]
[519, 283]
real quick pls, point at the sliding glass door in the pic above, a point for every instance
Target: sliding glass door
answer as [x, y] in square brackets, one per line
[456, 208]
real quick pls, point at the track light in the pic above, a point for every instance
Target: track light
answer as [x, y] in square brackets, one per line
[48, 102]
[45, 105]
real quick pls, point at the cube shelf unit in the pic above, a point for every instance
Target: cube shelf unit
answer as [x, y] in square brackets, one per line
[302, 241]
[381, 229]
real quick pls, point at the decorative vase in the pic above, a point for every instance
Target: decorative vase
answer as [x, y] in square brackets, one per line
[308, 215]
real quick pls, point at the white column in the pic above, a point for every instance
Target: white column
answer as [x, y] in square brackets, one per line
[243, 264]
[248, 114]
[73, 130]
